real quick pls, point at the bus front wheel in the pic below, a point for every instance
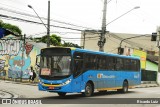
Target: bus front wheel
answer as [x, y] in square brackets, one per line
[88, 90]
[61, 94]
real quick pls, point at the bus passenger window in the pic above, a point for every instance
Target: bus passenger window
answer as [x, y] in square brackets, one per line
[111, 63]
[78, 63]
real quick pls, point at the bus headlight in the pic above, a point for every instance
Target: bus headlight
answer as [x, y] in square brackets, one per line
[67, 82]
[40, 81]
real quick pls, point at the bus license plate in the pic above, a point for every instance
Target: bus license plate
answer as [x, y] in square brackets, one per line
[50, 87]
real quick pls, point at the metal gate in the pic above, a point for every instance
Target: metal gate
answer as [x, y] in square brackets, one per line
[149, 75]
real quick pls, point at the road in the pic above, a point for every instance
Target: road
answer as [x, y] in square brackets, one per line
[31, 91]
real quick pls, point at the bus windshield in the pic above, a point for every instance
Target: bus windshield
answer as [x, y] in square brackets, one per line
[55, 65]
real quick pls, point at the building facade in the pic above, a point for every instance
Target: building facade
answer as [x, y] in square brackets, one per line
[132, 44]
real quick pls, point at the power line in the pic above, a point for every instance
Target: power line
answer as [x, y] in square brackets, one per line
[13, 7]
[67, 37]
[25, 20]
[113, 49]
[81, 38]
[30, 15]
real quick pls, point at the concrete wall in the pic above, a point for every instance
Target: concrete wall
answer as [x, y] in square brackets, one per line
[20, 61]
[113, 41]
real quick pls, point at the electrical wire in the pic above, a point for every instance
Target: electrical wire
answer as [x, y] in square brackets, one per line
[25, 20]
[33, 16]
[13, 7]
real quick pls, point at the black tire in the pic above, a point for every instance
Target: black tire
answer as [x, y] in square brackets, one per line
[88, 90]
[124, 87]
[61, 94]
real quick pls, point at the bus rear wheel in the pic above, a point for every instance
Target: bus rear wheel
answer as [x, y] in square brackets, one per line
[61, 94]
[88, 90]
[124, 87]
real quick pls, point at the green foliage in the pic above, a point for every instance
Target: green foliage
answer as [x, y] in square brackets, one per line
[1, 23]
[69, 44]
[13, 28]
[54, 40]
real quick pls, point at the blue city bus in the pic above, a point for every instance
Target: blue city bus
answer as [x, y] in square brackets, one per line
[73, 70]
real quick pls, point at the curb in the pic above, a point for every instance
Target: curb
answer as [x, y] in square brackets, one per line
[18, 82]
[147, 85]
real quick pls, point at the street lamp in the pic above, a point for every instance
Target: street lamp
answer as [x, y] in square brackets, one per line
[37, 15]
[47, 27]
[102, 40]
[120, 45]
[136, 7]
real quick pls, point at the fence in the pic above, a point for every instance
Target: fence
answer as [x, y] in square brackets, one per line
[149, 75]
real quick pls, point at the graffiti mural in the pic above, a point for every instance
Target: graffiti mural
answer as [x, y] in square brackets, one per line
[2, 65]
[18, 59]
[18, 67]
[10, 47]
[28, 48]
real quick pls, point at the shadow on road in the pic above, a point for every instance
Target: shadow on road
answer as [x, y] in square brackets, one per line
[79, 95]
[95, 99]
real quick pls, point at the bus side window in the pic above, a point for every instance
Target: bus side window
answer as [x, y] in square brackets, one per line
[90, 62]
[127, 65]
[101, 63]
[119, 64]
[78, 63]
[138, 65]
[111, 63]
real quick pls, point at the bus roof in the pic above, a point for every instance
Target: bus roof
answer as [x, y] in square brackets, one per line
[98, 52]
[105, 53]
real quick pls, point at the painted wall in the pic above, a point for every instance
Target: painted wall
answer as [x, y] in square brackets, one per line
[18, 60]
[151, 66]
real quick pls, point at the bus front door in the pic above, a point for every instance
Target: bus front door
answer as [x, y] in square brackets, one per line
[78, 70]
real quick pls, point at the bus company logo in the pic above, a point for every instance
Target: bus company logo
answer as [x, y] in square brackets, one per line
[105, 76]
[99, 75]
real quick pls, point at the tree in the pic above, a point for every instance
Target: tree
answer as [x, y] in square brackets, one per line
[69, 44]
[54, 40]
[13, 28]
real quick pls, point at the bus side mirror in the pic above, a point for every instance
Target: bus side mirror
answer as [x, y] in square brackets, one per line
[38, 60]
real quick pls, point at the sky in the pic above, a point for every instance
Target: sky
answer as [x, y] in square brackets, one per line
[84, 13]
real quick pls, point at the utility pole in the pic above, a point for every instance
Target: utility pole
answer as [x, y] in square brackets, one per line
[48, 28]
[159, 51]
[48, 25]
[84, 37]
[158, 73]
[22, 61]
[102, 40]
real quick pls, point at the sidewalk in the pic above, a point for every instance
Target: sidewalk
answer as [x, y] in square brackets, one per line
[24, 82]
[147, 85]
